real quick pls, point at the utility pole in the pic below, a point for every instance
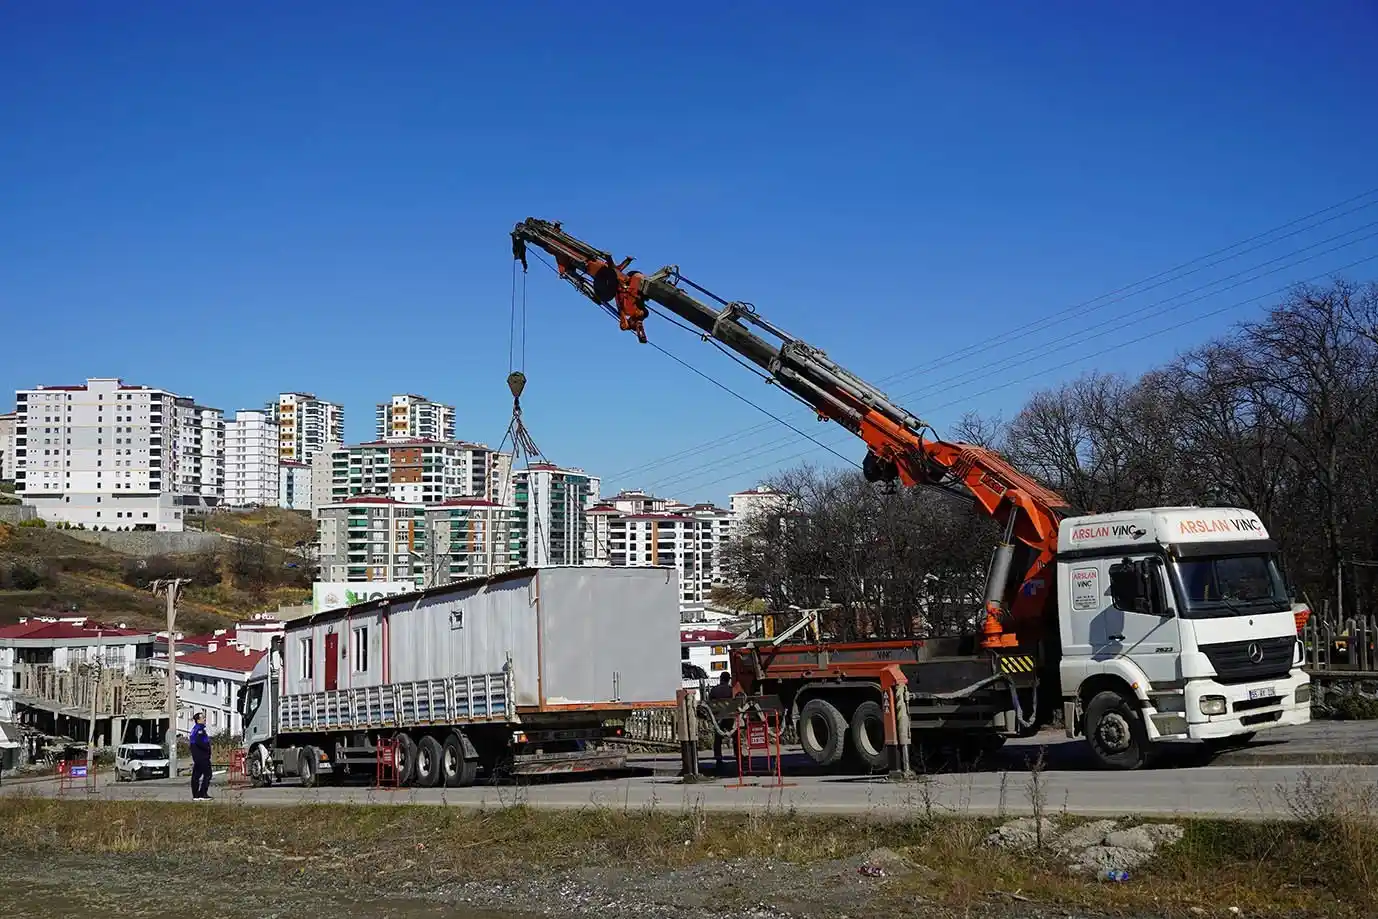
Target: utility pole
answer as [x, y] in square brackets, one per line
[95, 694]
[171, 588]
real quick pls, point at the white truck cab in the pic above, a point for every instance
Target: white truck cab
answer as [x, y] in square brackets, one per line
[1175, 625]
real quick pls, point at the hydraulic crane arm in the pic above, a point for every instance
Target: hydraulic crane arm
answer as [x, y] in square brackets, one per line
[897, 448]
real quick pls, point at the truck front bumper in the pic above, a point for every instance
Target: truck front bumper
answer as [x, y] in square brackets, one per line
[1247, 707]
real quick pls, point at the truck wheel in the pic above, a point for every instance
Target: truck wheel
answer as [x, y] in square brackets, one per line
[822, 732]
[428, 762]
[868, 735]
[406, 758]
[455, 769]
[1115, 732]
[306, 767]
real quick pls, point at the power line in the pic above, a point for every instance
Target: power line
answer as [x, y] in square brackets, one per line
[1109, 326]
[1076, 310]
[1014, 382]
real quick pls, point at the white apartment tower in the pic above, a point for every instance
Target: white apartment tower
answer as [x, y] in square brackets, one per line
[251, 459]
[763, 499]
[294, 485]
[551, 524]
[414, 417]
[106, 454]
[306, 425]
[7, 423]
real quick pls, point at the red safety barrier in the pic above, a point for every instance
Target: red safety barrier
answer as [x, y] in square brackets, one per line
[386, 774]
[72, 774]
[235, 774]
[759, 737]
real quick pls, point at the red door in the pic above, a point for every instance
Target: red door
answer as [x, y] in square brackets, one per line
[332, 661]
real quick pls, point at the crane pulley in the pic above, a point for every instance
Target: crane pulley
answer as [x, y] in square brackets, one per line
[899, 445]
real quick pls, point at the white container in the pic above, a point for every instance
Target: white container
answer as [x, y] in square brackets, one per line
[576, 638]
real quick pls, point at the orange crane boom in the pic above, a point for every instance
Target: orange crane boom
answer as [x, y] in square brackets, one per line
[898, 448]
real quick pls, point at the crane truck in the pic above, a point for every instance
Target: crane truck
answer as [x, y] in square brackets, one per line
[1143, 628]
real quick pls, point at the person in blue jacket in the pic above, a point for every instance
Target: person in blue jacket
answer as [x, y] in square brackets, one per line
[200, 759]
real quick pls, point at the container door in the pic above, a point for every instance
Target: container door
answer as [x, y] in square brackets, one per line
[332, 661]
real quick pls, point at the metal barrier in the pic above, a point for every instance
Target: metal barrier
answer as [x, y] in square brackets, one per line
[386, 774]
[1339, 645]
[235, 774]
[759, 732]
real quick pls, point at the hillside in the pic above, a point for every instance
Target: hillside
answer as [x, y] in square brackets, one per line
[271, 525]
[47, 572]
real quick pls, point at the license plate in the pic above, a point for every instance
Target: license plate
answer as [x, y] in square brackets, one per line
[1266, 692]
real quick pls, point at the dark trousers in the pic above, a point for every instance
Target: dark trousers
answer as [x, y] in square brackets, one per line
[200, 776]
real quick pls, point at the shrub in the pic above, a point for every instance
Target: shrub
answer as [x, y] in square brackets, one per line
[37, 523]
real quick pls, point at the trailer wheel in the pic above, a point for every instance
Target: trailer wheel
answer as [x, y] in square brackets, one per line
[822, 732]
[428, 762]
[306, 767]
[457, 770]
[868, 735]
[406, 758]
[1115, 732]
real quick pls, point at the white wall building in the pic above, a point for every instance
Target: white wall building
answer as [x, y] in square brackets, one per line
[108, 454]
[552, 514]
[306, 425]
[322, 476]
[372, 539]
[7, 423]
[210, 681]
[294, 485]
[410, 416]
[251, 459]
[62, 643]
[761, 499]
[419, 471]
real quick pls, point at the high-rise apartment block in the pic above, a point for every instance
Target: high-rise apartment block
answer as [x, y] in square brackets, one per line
[753, 502]
[306, 425]
[639, 530]
[414, 417]
[251, 459]
[419, 471]
[112, 455]
[374, 538]
[7, 423]
[294, 486]
[551, 526]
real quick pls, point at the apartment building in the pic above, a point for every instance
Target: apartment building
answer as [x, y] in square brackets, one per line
[306, 425]
[551, 524]
[210, 681]
[61, 643]
[745, 505]
[412, 417]
[372, 538]
[251, 459]
[7, 423]
[643, 531]
[469, 538]
[294, 485]
[114, 455]
[419, 471]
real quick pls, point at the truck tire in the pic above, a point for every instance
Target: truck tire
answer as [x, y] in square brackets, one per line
[457, 770]
[306, 767]
[1115, 732]
[868, 735]
[428, 762]
[822, 732]
[406, 758]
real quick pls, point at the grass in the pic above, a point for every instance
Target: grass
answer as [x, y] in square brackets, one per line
[276, 526]
[1322, 862]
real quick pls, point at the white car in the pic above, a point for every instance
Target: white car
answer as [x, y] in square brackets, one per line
[140, 761]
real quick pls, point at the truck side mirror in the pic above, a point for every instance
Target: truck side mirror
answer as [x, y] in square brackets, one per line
[239, 700]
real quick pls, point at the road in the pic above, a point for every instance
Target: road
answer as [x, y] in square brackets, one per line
[1267, 779]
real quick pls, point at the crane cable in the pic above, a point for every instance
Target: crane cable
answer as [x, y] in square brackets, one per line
[524, 446]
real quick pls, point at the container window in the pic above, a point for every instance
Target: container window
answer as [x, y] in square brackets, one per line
[308, 658]
[359, 648]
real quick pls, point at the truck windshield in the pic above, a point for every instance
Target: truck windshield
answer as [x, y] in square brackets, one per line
[1230, 585]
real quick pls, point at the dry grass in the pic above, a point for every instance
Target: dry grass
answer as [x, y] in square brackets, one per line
[1322, 864]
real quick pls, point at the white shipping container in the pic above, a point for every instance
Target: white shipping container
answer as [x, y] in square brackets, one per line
[575, 636]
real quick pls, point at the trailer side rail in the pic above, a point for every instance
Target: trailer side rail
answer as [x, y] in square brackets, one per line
[449, 700]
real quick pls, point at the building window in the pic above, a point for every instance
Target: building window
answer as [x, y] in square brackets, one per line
[359, 648]
[308, 658]
[718, 665]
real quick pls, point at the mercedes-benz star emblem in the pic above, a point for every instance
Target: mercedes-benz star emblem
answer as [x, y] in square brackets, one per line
[1256, 653]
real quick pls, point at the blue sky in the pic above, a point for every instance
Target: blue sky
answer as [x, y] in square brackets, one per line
[229, 201]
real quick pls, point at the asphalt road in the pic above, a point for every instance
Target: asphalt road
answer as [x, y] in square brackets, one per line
[1269, 778]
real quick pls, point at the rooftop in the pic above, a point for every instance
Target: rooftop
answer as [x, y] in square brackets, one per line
[66, 630]
[222, 658]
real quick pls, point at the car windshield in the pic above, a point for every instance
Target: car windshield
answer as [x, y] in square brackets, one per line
[1230, 585]
[148, 753]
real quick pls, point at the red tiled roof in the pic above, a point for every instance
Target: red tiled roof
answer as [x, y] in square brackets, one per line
[467, 502]
[222, 658]
[370, 499]
[58, 631]
[706, 635]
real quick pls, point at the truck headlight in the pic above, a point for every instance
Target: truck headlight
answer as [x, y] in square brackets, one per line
[1212, 705]
[1304, 694]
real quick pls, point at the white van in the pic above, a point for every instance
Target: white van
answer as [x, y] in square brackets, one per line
[140, 761]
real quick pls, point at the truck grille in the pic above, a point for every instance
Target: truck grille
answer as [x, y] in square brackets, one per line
[1234, 660]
